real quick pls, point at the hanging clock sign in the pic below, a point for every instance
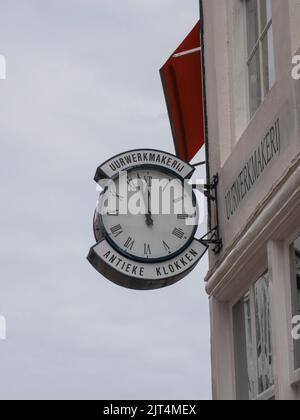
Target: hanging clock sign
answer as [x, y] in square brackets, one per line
[146, 220]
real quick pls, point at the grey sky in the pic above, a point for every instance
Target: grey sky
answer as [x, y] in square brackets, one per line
[83, 84]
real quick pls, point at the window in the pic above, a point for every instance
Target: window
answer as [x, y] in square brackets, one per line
[260, 51]
[296, 295]
[252, 343]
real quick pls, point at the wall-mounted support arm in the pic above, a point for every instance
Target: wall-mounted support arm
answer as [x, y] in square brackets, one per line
[211, 193]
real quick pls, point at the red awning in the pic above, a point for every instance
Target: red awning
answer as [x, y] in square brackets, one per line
[182, 83]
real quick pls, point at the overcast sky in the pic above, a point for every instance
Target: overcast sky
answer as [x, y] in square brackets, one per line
[82, 85]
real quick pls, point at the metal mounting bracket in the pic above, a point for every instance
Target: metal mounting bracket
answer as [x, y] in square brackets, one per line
[211, 193]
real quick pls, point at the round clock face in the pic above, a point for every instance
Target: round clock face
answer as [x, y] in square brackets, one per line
[160, 220]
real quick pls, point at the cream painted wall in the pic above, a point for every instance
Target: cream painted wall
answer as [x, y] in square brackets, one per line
[294, 10]
[260, 231]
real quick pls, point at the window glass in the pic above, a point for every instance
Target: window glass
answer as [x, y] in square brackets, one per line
[244, 349]
[265, 12]
[268, 61]
[255, 94]
[251, 366]
[298, 284]
[263, 335]
[295, 288]
[252, 24]
[252, 342]
[260, 44]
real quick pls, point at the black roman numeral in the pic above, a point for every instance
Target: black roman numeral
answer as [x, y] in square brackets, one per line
[147, 249]
[186, 216]
[179, 199]
[129, 243]
[131, 184]
[117, 196]
[148, 180]
[179, 233]
[113, 213]
[116, 230]
[182, 216]
[167, 248]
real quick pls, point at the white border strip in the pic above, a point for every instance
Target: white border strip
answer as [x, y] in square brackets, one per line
[187, 52]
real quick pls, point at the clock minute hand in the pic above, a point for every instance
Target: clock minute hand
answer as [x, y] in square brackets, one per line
[149, 219]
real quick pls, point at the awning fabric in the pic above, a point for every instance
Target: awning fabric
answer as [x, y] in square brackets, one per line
[182, 83]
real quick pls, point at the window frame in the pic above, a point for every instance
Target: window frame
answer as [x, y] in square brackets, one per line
[269, 394]
[294, 374]
[294, 371]
[296, 277]
[258, 46]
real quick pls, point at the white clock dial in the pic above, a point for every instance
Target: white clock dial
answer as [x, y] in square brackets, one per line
[149, 235]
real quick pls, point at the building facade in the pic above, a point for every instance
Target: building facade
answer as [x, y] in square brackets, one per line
[253, 120]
